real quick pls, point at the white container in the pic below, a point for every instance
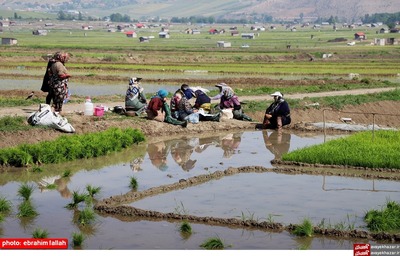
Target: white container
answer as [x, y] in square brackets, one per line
[89, 109]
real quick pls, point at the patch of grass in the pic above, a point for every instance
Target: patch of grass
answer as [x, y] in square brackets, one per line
[87, 216]
[15, 123]
[25, 191]
[51, 186]
[363, 149]
[185, 227]
[92, 190]
[133, 183]
[68, 148]
[36, 169]
[40, 233]
[304, 229]
[77, 198]
[5, 205]
[387, 219]
[180, 209]
[250, 216]
[26, 209]
[77, 239]
[66, 174]
[213, 243]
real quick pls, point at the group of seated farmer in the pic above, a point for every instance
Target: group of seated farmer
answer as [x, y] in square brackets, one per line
[193, 105]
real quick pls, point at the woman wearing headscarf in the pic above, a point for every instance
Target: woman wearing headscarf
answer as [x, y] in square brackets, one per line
[229, 100]
[135, 100]
[58, 80]
[277, 114]
[159, 110]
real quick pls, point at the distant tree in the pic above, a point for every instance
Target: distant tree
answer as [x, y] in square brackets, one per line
[61, 15]
[80, 17]
[15, 15]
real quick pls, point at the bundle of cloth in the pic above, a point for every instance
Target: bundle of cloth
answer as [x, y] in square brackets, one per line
[46, 117]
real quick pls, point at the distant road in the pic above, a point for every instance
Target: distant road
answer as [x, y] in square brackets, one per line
[75, 107]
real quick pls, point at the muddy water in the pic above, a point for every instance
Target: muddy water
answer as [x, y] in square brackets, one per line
[262, 196]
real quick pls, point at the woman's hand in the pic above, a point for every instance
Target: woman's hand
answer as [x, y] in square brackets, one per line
[268, 116]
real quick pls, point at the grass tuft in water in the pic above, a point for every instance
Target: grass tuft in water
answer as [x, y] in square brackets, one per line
[304, 229]
[76, 199]
[92, 190]
[5, 205]
[40, 233]
[26, 209]
[213, 243]
[185, 227]
[133, 184]
[25, 191]
[77, 239]
[86, 216]
[387, 219]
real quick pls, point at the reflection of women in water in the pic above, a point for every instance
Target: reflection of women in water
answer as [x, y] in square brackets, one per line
[181, 153]
[277, 142]
[136, 163]
[230, 143]
[158, 153]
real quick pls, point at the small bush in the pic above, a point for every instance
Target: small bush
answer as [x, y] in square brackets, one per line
[185, 227]
[133, 184]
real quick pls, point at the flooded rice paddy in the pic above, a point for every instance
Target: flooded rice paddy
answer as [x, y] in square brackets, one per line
[336, 201]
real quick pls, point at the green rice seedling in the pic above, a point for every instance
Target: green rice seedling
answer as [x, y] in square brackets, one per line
[25, 191]
[51, 186]
[66, 174]
[304, 229]
[26, 209]
[37, 169]
[180, 209]
[213, 243]
[76, 199]
[185, 227]
[5, 205]
[77, 239]
[92, 190]
[387, 219]
[87, 216]
[248, 217]
[133, 184]
[40, 233]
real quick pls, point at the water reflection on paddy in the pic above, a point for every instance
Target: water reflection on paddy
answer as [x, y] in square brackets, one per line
[282, 197]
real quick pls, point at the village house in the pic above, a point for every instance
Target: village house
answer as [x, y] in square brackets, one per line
[360, 36]
[248, 36]
[163, 35]
[9, 41]
[195, 32]
[131, 34]
[143, 39]
[383, 31]
[223, 44]
[213, 31]
[235, 33]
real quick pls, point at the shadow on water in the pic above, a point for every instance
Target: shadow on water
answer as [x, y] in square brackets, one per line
[277, 196]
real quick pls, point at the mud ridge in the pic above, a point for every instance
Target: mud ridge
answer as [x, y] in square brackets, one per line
[113, 206]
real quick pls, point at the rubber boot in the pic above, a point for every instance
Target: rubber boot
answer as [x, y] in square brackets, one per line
[247, 118]
[169, 119]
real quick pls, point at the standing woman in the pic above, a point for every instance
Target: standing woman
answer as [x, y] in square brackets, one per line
[59, 80]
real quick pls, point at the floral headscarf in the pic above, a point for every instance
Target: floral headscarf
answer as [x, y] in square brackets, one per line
[134, 88]
[228, 92]
[61, 57]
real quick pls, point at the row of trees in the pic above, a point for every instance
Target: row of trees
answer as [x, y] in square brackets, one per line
[390, 19]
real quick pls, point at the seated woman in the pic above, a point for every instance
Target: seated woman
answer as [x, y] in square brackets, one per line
[159, 110]
[229, 100]
[135, 100]
[277, 114]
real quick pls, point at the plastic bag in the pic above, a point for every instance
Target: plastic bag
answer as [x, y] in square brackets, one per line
[44, 116]
[193, 118]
